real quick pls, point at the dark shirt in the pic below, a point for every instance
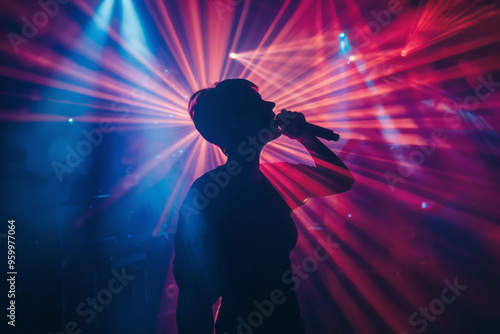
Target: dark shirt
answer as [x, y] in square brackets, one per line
[234, 240]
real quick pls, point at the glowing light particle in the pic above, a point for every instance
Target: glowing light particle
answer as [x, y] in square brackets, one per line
[344, 45]
[71, 121]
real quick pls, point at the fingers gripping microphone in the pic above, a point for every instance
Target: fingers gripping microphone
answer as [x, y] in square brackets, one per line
[312, 129]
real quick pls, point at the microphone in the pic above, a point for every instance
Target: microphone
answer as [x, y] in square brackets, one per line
[312, 129]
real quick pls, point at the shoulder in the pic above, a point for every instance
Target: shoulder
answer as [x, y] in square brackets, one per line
[207, 183]
[203, 192]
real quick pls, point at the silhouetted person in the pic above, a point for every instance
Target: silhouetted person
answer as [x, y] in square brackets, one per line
[235, 233]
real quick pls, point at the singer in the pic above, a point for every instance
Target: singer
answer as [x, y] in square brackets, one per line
[235, 233]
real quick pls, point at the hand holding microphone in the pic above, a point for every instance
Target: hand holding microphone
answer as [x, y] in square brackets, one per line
[294, 125]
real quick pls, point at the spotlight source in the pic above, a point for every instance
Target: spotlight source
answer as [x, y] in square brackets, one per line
[352, 58]
[232, 55]
[342, 35]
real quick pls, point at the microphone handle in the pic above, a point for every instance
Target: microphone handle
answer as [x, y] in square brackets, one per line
[319, 131]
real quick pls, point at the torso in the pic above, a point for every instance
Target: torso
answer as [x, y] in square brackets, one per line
[254, 234]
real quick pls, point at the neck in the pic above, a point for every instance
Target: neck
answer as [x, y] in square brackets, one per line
[250, 168]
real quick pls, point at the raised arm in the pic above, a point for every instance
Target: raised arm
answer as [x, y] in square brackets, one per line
[328, 164]
[329, 176]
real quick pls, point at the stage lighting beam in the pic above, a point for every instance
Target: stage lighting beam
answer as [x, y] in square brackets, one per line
[131, 29]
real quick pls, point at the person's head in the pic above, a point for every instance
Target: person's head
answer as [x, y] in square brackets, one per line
[230, 112]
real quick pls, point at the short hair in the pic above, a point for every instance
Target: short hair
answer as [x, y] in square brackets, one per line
[209, 108]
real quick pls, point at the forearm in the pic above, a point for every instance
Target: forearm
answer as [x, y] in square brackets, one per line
[320, 152]
[327, 162]
[329, 168]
